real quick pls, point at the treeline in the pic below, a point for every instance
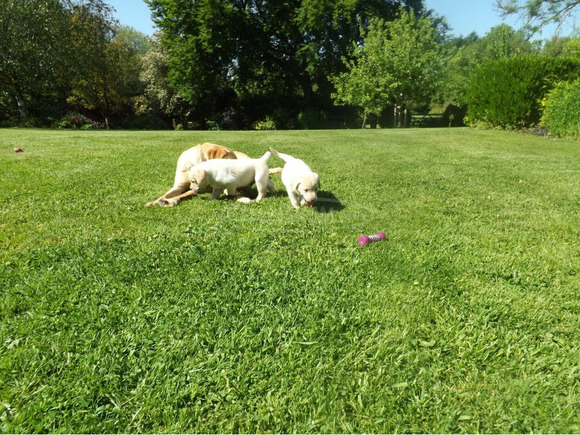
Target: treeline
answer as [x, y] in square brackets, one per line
[248, 64]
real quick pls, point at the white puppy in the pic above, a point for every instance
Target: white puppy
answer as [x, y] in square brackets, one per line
[227, 174]
[187, 159]
[301, 182]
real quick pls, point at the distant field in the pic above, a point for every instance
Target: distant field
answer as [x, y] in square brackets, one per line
[215, 316]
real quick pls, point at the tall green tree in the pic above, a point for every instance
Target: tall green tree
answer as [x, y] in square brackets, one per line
[31, 51]
[48, 47]
[262, 56]
[106, 81]
[572, 48]
[464, 55]
[92, 35]
[399, 63]
[159, 97]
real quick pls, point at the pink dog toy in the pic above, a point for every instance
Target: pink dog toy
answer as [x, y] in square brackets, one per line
[363, 240]
[18, 150]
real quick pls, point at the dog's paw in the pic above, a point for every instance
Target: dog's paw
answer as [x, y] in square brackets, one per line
[168, 202]
[244, 200]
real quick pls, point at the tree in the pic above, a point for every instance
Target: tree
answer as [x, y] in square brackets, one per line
[261, 57]
[106, 81]
[136, 42]
[159, 97]
[539, 13]
[47, 47]
[572, 48]
[466, 54]
[31, 51]
[398, 63]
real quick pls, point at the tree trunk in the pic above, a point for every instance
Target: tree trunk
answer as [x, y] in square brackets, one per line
[401, 116]
[22, 108]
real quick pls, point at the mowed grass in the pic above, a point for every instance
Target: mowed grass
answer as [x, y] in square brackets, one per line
[215, 316]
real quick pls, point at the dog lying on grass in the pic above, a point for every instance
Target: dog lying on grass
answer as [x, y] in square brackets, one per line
[230, 175]
[302, 184]
[188, 159]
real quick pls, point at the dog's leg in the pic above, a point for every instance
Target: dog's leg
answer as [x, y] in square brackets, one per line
[294, 199]
[262, 188]
[263, 182]
[174, 200]
[172, 193]
[216, 192]
[180, 185]
[231, 190]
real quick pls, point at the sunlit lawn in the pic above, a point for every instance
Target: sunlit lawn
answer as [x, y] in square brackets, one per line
[215, 316]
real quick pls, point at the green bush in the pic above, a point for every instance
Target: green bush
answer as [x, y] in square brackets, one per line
[266, 124]
[311, 118]
[77, 120]
[562, 111]
[508, 93]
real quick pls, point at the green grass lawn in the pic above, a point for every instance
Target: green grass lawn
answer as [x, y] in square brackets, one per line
[215, 316]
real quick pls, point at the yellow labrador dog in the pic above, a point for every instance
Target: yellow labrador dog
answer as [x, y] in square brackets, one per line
[230, 175]
[302, 184]
[189, 158]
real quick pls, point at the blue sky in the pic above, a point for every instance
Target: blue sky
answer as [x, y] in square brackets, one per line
[464, 16]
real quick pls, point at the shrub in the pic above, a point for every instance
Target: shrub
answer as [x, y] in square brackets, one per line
[78, 120]
[508, 93]
[562, 111]
[266, 124]
[311, 118]
[143, 121]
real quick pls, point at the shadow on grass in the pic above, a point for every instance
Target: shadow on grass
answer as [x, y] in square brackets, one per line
[327, 203]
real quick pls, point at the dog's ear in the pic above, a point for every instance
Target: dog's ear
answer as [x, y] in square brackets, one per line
[218, 152]
[296, 184]
[213, 153]
[197, 176]
[200, 156]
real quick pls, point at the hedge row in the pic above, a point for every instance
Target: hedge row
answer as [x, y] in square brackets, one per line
[562, 111]
[509, 93]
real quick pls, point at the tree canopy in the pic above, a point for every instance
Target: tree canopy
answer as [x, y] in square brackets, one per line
[31, 50]
[240, 64]
[464, 55]
[249, 56]
[399, 63]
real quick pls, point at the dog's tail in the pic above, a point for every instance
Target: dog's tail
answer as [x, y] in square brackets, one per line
[266, 156]
[276, 170]
[282, 156]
